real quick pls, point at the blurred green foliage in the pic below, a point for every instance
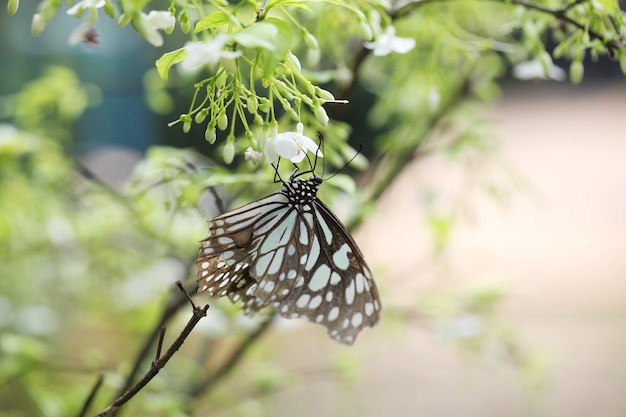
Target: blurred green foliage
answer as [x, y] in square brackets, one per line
[87, 269]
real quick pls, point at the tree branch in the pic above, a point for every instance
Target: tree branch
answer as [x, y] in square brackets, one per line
[159, 363]
[172, 306]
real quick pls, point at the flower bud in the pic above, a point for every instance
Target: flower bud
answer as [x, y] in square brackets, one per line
[124, 19]
[222, 121]
[310, 41]
[187, 124]
[293, 62]
[264, 104]
[209, 134]
[185, 24]
[576, 71]
[38, 24]
[109, 9]
[201, 115]
[220, 81]
[12, 6]
[324, 94]
[292, 113]
[229, 150]
[252, 104]
[321, 115]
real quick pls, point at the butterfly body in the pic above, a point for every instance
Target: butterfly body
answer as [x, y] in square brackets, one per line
[289, 251]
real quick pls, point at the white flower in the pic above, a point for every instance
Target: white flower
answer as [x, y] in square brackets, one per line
[290, 145]
[207, 53]
[533, 69]
[253, 156]
[388, 42]
[150, 24]
[85, 4]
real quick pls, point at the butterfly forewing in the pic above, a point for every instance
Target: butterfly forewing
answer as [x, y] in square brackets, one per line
[288, 250]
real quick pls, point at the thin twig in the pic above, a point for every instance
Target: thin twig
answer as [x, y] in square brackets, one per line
[92, 394]
[174, 303]
[198, 313]
[160, 343]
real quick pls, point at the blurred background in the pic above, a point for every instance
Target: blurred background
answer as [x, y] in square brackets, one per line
[540, 269]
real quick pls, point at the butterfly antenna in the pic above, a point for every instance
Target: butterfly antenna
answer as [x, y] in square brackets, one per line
[277, 177]
[347, 163]
[322, 153]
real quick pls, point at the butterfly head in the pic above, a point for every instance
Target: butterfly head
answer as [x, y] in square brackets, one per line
[301, 193]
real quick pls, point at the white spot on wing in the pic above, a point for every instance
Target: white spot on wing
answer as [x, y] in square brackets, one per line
[314, 253]
[304, 234]
[333, 313]
[328, 234]
[340, 257]
[359, 280]
[315, 302]
[357, 319]
[320, 278]
[350, 292]
[303, 300]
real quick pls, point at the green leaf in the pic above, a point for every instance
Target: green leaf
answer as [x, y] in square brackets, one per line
[168, 59]
[282, 45]
[215, 20]
[610, 6]
[259, 35]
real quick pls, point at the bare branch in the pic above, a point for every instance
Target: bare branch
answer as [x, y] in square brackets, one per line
[160, 344]
[157, 365]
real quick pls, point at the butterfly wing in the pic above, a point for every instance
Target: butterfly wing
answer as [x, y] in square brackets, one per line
[305, 264]
[339, 276]
[227, 252]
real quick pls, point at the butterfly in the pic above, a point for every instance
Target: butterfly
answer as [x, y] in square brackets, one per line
[289, 251]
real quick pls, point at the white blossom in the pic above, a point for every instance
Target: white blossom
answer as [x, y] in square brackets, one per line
[85, 4]
[151, 23]
[290, 145]
[388, 42]
[534, 69]
[207, 53]
[253, 156]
